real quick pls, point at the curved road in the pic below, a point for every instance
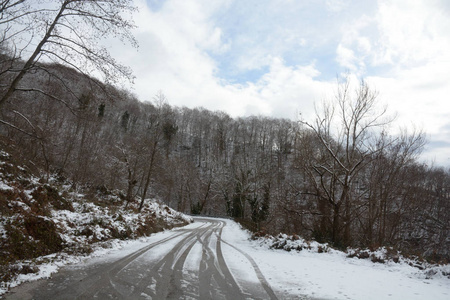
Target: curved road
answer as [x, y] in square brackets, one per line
[188, 264]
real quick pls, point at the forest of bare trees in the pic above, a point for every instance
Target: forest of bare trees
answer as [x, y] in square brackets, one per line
[341, 178]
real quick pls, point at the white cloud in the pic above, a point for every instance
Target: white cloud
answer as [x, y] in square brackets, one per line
[364, 45]
[173, 57]
[337, 5]
[411, 32]
[419, 95]
[290, 90]
[346, 58]
[408, 43]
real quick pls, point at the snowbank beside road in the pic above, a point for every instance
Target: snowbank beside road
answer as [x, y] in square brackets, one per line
[333, 275]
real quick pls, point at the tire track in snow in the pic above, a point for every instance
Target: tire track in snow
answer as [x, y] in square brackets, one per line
[215, 276]
[162, 275]
[165, 276]
[258, 272]
[102, 280]
[166, 279]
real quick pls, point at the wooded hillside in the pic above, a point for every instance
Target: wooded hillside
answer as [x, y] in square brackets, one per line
[341, 178]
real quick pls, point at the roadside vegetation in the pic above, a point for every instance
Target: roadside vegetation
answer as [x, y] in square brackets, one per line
[46, 220]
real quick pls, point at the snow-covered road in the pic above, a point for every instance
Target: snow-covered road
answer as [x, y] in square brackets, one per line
[214, 259]
[185, 263]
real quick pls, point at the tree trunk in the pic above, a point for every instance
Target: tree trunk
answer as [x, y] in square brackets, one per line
[29, 63]
[149, 175]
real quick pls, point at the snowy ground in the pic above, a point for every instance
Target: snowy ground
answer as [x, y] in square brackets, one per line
[302, 274]
[333, 275]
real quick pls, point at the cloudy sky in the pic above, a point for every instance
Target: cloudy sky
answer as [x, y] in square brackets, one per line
[279, 57]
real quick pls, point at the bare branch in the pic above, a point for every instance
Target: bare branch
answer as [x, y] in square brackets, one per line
[18, 129]
[78, 48]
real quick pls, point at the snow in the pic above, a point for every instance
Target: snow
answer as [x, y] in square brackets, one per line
[5, 187]
[87, 214]
[44, 272]
[89, 226]
[333, 275]
[292, 275]
[116, 249]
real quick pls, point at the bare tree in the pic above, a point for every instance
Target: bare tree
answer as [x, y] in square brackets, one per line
[66, 32]
[157, 130]
[388, 183]
[347, 130]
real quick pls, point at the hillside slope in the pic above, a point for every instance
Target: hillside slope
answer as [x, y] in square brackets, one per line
[50, 220]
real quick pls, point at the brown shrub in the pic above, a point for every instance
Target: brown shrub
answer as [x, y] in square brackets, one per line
[46, 194]
[29, 237]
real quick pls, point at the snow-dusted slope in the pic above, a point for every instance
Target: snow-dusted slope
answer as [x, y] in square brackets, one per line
[46, 224]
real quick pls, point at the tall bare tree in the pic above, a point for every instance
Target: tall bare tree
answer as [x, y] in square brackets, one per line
[66, 32]
[347, 130]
